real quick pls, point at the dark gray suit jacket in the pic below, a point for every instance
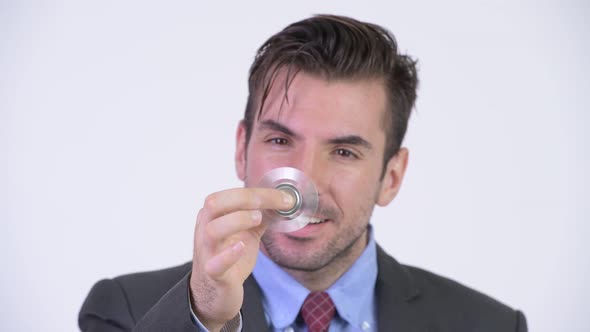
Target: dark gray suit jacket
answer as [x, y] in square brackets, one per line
[408, 300]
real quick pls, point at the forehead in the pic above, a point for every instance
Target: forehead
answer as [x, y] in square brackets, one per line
[310, 102]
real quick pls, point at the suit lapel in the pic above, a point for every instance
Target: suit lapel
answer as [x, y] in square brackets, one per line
[395, 290]
[253, 316]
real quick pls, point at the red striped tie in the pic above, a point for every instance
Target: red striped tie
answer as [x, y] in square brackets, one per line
[317, 311]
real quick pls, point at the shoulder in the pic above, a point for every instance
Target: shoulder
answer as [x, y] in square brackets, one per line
[440, 290]
[125, 299]
[441, 301]
[151, 285]
[458, 305]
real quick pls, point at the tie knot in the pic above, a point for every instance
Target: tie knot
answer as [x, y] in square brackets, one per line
[317, 311]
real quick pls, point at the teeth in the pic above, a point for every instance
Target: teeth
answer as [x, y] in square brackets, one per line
[314, 220]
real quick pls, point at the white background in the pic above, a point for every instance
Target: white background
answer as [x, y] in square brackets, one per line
[117, 118]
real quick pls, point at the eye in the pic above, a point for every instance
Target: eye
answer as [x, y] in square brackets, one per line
[344, 153]
[278, 141]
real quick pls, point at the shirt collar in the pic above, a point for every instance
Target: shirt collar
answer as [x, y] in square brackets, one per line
[282, 296]
[352, 293]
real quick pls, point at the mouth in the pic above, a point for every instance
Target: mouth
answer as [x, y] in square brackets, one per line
[314, 220]
[313, 229]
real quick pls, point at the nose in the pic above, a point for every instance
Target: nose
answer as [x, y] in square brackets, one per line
[310, 162]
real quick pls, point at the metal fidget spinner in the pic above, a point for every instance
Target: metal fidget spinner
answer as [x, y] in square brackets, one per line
[297, 184]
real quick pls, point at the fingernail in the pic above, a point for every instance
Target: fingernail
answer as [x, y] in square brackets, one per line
[288, 199]
[238, 247]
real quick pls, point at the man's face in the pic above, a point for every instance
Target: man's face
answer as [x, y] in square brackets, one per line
[333, 132]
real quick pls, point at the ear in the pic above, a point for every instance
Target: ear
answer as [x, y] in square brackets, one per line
[240, 157]
[393, 176]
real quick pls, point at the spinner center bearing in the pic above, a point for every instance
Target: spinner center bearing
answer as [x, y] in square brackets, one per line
[294, 192]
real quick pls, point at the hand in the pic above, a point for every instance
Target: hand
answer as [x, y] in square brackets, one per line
[226, 242]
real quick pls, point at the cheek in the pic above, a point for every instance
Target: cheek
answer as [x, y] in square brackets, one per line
[353, 190]
[257, 165]
[254, 171]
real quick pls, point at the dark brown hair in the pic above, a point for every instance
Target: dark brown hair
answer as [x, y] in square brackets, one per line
[339, 48]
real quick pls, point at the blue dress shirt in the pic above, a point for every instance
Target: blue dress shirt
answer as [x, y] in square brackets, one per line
[353, 294]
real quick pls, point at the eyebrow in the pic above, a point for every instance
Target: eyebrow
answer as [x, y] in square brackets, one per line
[273, 125]
[354, 140]
[351, 140]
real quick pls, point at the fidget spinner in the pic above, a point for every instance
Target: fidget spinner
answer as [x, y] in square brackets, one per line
[295, 183]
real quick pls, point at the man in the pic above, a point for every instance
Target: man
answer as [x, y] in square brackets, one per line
[330, 96]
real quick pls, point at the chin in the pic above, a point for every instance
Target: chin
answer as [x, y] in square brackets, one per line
[297, 253]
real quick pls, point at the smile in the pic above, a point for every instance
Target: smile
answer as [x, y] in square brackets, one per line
[314, 220]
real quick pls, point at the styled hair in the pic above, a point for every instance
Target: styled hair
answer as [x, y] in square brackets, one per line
[337, 48]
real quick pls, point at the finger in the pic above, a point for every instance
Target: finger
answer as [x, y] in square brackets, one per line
[259, 230]
[224, 202]
[232, 223]
[220, 263]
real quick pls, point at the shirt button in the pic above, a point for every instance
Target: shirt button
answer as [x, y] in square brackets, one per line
[288, 329]
[365, 326]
